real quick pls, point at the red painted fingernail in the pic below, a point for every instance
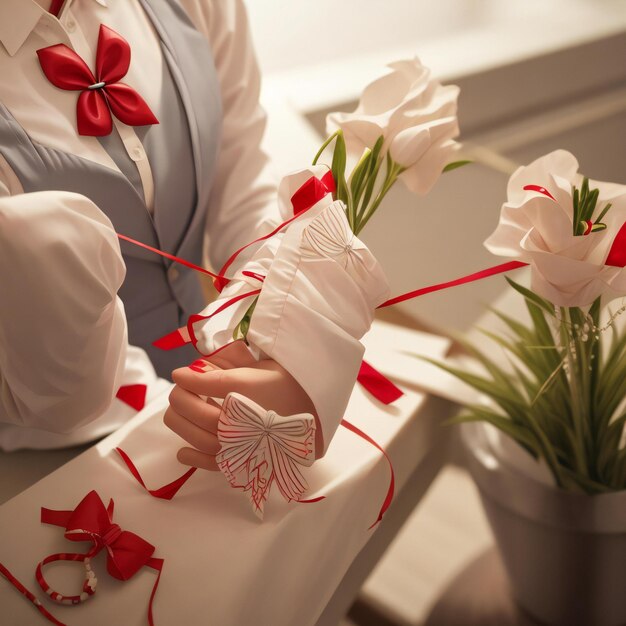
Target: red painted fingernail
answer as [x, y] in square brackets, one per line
[195, 368]
[199, 363]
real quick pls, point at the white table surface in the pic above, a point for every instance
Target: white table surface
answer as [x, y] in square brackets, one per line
[222, 566]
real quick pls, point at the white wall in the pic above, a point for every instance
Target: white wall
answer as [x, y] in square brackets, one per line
[294, 33]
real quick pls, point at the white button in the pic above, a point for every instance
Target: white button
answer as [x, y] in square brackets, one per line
[173, 273]
[138, 153]
[70, 25]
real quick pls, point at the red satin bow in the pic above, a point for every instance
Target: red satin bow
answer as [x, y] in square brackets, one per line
[127, 553]
[91, 521]
[101, 95]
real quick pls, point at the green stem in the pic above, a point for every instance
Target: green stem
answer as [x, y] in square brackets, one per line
[324, 146]
[573, 357]
[393, 171]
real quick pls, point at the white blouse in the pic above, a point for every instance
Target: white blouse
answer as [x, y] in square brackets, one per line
[60, 263]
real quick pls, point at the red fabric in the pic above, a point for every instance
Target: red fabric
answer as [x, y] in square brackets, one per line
[377, 384]
[171, 341]
[311, 192]
[617, 253]
[96, 104]
[56, 6]
[133, 395]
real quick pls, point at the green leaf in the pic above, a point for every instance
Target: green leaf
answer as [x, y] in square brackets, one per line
[532, 297]
[338, 168]
[359, 174]
[455, 165]
[520, 433]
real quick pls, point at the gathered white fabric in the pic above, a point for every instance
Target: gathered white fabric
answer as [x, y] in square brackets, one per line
[61, 268]
[317, 301]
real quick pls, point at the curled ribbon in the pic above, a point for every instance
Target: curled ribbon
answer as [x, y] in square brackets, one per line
[91, 521]
[127, 553]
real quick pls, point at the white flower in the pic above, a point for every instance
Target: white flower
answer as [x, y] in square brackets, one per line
[536, 227]
[414, 113]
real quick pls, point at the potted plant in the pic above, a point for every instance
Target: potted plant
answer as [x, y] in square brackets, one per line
[546, 446]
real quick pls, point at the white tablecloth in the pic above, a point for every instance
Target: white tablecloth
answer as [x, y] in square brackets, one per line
[222, 565]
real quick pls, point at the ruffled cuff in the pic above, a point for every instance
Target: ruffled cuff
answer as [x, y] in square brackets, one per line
[317, 301]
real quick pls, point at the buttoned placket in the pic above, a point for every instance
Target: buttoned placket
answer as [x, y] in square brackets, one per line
[75, 39]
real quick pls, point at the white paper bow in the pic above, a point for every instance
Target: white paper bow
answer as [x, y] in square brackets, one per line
[259, 447]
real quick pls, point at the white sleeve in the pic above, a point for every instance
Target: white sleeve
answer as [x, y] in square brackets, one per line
[62, 327]
[310, 317]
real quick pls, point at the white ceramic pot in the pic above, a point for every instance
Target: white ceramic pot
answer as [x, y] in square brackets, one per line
[565, 553]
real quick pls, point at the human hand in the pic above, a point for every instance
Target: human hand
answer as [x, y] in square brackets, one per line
[233, 369]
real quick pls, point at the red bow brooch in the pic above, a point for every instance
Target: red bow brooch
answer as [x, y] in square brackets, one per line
[101, 95]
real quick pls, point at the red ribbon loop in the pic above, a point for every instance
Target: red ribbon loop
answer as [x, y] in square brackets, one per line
[127, 553]
[91, 521]
[167, 492]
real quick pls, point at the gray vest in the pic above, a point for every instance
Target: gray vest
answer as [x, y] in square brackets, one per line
[158, 296]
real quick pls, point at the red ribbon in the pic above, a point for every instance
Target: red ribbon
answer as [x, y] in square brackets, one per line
[102, 95]
[392, 480]
[90, 521]
[167, 255]
[197, 318]
[491, 271]
[167, 492]
[4, 571]
[378, 384]
[305, 197]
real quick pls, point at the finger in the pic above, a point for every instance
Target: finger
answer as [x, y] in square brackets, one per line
[219, 383]
[199, 438]
[202, 365]
[195, 458]
[235, 354]
[204, 414]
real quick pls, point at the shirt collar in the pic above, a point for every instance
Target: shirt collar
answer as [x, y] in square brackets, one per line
[18, 19]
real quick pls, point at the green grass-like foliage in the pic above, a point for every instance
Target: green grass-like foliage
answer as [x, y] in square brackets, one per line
[562, 403]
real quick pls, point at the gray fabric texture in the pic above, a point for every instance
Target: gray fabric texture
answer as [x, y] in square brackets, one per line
[182, 150]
